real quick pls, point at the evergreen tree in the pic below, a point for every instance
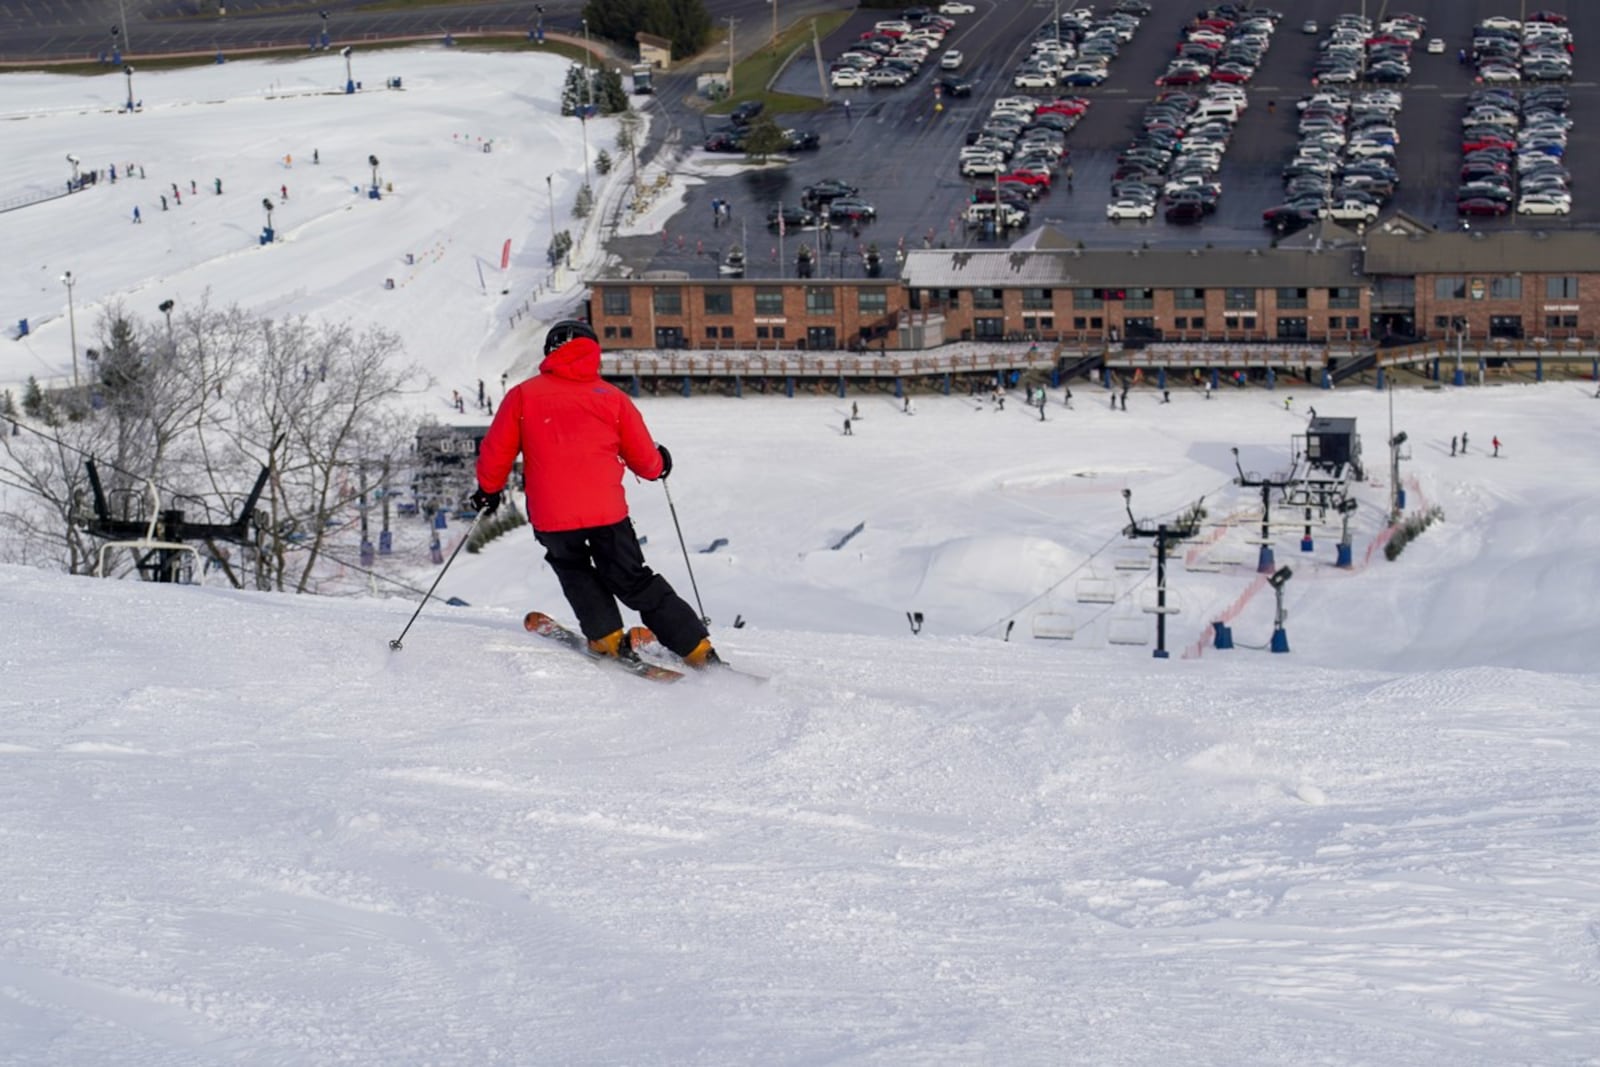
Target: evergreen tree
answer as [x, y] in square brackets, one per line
[583, 204]
[686, 23]
[602, 163]
[765, 139]
[608, 91]
[32, 398]
[573, 92]
[560, 245]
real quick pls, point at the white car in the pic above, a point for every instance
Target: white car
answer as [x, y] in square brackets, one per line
[1544, 204]
[952, 7]
[1351, 211]
[1130, 209]
[1031, 80]
[1501, 22]
[1436, 46]
[848, 78]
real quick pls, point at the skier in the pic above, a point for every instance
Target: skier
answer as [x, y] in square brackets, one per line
[136, 217]
[1496, 444]
[218, 182]
[1463, 442]
[575, 433]
[1453, 443]
[1124, 398]
[855, 412]
[194, 187]
[284, 189]
[848, 432]
[177, 197]
[316, 156]
[163, 202]
[1288, 403]
[1208, 388]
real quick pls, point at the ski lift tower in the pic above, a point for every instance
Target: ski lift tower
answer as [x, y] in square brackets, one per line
[1265, 564]
[1164, 534]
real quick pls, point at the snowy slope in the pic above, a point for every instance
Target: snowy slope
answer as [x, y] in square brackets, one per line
[239, 829]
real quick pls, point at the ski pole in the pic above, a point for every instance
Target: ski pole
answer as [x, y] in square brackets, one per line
[686, 564]
[395, 644]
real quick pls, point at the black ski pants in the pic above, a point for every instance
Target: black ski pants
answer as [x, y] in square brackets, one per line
[599, 565]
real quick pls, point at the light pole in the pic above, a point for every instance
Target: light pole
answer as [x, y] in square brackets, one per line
[76, 177]
[774, 4]
[129, 72]
[588, 101]
[349, 79]
[72, 324]
[373, 160]
[127, 41]
[266, 236]
[324, 15]
[166, 309]
[551, 189]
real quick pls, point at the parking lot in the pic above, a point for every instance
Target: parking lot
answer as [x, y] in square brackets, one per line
[902, 153]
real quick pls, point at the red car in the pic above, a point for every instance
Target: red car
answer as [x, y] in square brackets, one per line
[1232, 75]
[1481, 205]
[1486, 142]
[1183, 77]
[1069, 108]
[1555, 18]
[1027, 177]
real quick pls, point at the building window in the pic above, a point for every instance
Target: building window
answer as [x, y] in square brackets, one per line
[610, 333]
[1238, 322]
[951, 297]
[668, 301]
[1038, 322]
[1189, 298]
[719, 301]
[627, 331]
[769, 301]
[1449, 288]
[821, 337]
[1037, 299]
[988, 328]
[872, 301]
[1087, 299]
[1562, 288]
[1508, 287]
[1291, 298]
[616, 303]
[1139, 299]
[988, 299]
[1292, 329]
[819, 301]
[1507, 326]
[1441, 322]
[1346, 297]
[1239, 299]
[1561, 322]
[1197, 322]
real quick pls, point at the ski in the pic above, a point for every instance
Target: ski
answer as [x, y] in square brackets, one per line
[537, 622]
[644, 641]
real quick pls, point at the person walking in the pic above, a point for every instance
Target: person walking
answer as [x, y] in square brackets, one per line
[1463, 442]
[137, 218]
[1496, 444]
[1453, 442]
[577, 434]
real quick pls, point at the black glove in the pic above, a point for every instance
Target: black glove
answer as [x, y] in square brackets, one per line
[666, 462]
[486, 502]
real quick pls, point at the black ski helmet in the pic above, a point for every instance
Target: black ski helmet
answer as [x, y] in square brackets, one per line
[564, 331]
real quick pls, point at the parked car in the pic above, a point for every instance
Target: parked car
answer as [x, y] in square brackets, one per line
[745, 112]
[851, 209]
[1481, 205]
[951, 60]
[1130, 209]
[955, 7]
[847, 78]
[792, 215]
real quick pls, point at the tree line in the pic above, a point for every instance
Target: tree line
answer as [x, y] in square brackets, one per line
[686, 23]
[198, 404]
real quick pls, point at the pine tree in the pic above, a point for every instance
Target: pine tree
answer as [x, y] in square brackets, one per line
[765, 139]
[32, 398]
[602, 163]
[572, 93]
[608, 91]
[583, 204]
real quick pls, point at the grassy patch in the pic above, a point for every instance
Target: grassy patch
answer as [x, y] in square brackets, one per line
[751, 77]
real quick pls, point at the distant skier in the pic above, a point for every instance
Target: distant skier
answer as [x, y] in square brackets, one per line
[218, 182]
[284, 189]
[1454, 441]
[163, 202]
[848, 432]
[1496, 444]
[1463, 442]
[136, 216]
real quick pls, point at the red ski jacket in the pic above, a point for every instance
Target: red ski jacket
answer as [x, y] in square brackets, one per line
[575, 433]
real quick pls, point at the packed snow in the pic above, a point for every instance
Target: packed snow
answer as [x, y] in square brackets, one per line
[241, 829]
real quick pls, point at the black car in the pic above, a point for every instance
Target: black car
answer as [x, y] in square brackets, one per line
[803, 140]
[745, 112]
[955, 86]
[1185, 211]
[792, 215]
[813, 196]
